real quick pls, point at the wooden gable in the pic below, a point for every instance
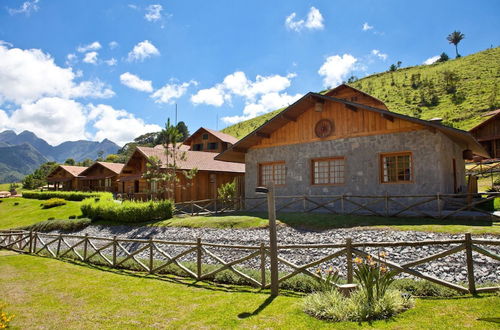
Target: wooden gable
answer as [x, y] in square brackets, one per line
[488, 129]
[348, 121]
[60, 173]
[97, 170]
[204, 140]
[136, 164]
[349, 93]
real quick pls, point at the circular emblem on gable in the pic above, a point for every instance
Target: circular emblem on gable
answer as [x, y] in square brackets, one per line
[324, 128]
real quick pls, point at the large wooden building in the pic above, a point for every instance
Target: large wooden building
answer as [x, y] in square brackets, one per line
[65, 177]
[347, 142]
[211, 173]
[101, 176]
[488, 133]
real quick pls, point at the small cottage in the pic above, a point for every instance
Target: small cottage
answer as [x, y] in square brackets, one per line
[487, 133]
[101, 176]
[65, 177]
[347, 142]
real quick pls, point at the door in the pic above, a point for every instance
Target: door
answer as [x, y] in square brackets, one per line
[136, 186]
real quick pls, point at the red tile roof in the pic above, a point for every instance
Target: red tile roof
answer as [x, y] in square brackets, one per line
[203, 161]
[222, 136]
[73, 170]
[113, 167]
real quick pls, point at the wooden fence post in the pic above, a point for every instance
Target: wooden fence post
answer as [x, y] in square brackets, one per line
[114, 250]
[85, 247]
[470, 264]
[262, 265]
[273, 240]
[151, 255]
[35, 238]
[198, 258]
[386, 204]
[31, 242]
[59, 245]
[342, 204]
[192, 208]
[349, 260]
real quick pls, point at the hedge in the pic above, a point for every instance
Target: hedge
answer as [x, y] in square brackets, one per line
[127, 211]
[67, 195]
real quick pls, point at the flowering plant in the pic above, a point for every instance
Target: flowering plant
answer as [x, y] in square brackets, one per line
[5, 317]
[329, 282]
[373, 277]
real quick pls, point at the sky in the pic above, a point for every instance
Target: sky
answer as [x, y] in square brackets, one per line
[93, 69]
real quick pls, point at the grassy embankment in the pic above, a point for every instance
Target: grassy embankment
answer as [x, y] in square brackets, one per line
[29, 212]
[459, 91]
[81, 296]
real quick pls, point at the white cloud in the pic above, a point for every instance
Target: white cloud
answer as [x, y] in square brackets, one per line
[28, 75]
[367, 27]
[314, 21]
[170, 92]
[119, 126]
[142, 50]
[267, 103]
[90, 57]
[134, 82]
[92, 46]
[26, 8]
[53, 119]
[132, 6]
[111, 62]
[380, 55]
[431, 60]
[336, 68]
[71, 59]
[153, 13]
[113, 45]
[211, 96]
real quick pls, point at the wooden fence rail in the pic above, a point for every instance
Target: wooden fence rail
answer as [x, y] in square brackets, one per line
[143, 252]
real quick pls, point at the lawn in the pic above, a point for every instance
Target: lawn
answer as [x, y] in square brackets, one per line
[29, 212]
[80, 296]
[6, 186]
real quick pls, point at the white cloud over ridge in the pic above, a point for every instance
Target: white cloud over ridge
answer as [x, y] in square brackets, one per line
[314, 21]
[132, 81]
[142, 51]
[153, 13]
[26, 8]
[431, 60]
[172, 91]
[336, 68]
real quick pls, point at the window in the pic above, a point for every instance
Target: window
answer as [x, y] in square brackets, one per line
[212, 146]
[198, 147]
[328, 171]
[272, 172]
[107, 182]
[204, 136]
[396, 168]
[154, 186]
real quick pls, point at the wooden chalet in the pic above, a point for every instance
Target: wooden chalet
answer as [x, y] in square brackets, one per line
[208, 140]
[101, 176]
[488, 133]
[211, 173]
[347, 142]
[65, 177]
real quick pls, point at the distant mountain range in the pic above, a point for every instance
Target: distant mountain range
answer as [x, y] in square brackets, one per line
[21, 154]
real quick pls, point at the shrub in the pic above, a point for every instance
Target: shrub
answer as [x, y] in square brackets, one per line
[5, 318]
[422, 288]
[62, 225]
[333, 306]
[66, 195]
[53, 202]
[127, 211]
[373, 278]
[16, 203]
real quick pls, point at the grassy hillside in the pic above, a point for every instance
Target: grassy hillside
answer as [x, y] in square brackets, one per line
[459, 91]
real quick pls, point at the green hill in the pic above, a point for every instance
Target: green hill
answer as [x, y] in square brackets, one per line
[459, 91]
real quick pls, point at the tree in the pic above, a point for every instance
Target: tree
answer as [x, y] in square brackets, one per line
[398, 65]
[38, 178]
[112, 158]
[443, 57]
[164, 175]
[183, 130]
[69, 161]
[393, 67]
[86, 162]
[100, 153]
[454, 38]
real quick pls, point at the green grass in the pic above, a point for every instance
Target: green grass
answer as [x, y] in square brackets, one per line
[6, 186]
[477, 89]
[29, 212]
[96, 297]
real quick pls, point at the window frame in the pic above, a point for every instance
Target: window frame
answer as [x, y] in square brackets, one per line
[392, 154]
[214, 144]
[259, 172]
[327, 159]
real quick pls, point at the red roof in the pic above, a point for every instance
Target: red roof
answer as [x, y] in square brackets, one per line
[221, 136]
[113, 167]
[203, 161]
[73, 170]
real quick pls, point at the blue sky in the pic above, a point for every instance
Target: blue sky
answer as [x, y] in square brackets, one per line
[115, 69]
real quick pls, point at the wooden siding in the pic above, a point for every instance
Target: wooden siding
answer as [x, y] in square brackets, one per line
[221, 146]
[98, 184]
[353, 95]
[346, 122]
[63, 180]
[488, 135]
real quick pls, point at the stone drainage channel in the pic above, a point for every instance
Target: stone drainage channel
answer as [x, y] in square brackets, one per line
[451, 268]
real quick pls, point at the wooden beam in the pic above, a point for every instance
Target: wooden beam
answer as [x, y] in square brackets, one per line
[351, 107]
[284, 116]
[239, 149]
[388, 117]
[263, 135]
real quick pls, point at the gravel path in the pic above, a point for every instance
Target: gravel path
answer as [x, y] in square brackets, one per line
[451, 268]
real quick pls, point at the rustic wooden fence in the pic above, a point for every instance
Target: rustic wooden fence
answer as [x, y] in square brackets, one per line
[209, 206]
[438, 206]
[151, 255]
